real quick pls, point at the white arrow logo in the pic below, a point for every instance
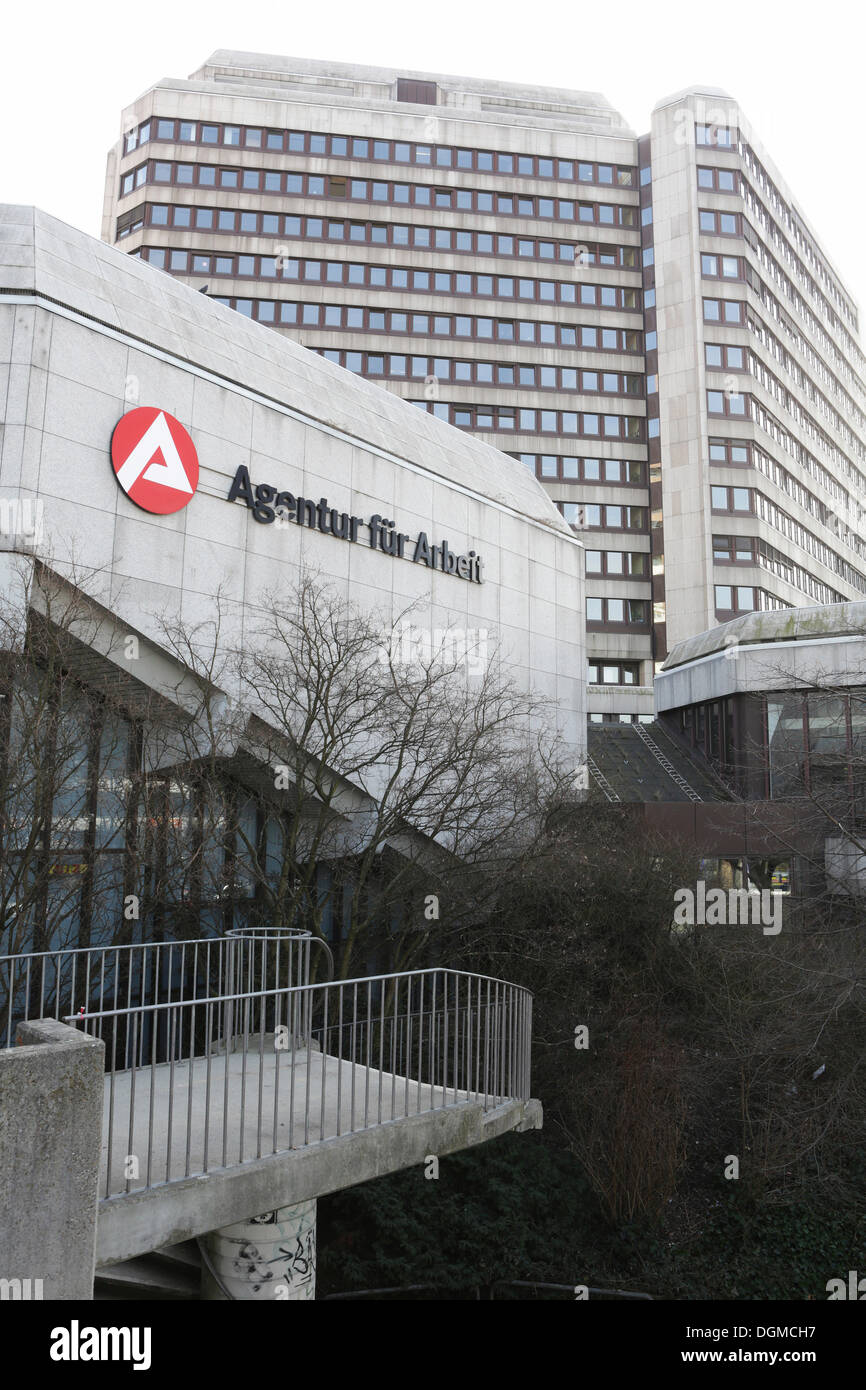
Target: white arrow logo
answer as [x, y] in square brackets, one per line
[169, 473]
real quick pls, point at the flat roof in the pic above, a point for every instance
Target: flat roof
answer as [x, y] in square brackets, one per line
[781, 625]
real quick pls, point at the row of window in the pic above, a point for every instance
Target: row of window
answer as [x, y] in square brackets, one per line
[810, 503]
[748, 500]
[719, 223]
[468, 326]
[441, 282]
[484, 417]
[815, 325]
[719, 136]
[377, 191]
[730, 403]
[630, 471]
[715, 180]
[436, 370]
[721, 267]
[450, 239]
[388, 151]
[817, 741]
[806, 379]
[734, 550]
[747, 550]
[791, 445]
[618, 610]
[734, 598]
[796, 231]
[723, 311]
[793, 404]
[603, 516]
[624, 564]
[795, 531]
[720, 356]
[613, 673]
[773, 560]
[731, 499]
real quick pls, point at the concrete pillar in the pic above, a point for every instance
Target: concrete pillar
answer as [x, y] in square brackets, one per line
[271, 1257]
[51, 1099]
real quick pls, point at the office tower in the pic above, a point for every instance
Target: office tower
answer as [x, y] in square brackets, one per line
[646, 322]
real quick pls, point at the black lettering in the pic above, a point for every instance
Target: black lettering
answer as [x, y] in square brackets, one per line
[263, 510]
[306, 514]
[241, 486]
[284, 505]
[422, 550]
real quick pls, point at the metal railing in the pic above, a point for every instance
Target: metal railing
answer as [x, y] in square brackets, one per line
[196, 1083]
[220, 1050]
[55, 984]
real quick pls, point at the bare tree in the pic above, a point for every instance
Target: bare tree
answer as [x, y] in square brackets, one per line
[354, 786]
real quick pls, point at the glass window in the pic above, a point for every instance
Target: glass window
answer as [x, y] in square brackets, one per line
[785, 739]
[594, 610]
[210, 134]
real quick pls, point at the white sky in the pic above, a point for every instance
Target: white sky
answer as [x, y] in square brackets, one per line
[796, 68]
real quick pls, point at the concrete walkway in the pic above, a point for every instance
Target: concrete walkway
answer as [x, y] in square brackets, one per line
[179, 1120]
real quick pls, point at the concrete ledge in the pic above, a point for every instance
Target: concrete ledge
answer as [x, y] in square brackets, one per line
[51, 1090]
[143, 1221]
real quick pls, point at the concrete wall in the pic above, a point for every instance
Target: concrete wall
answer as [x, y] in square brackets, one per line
[250, 398]
[51, 1097]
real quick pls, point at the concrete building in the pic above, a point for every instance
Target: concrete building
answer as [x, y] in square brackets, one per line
[757, 758]
[98, 352]
[648, 324]
[149, 436]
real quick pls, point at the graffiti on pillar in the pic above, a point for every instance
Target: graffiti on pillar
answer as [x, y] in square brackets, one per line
[298, 1263]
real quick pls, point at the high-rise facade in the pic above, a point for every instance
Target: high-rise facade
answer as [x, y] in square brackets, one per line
[647, 323]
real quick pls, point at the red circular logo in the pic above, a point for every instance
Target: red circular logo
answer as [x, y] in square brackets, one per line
[155, 460]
